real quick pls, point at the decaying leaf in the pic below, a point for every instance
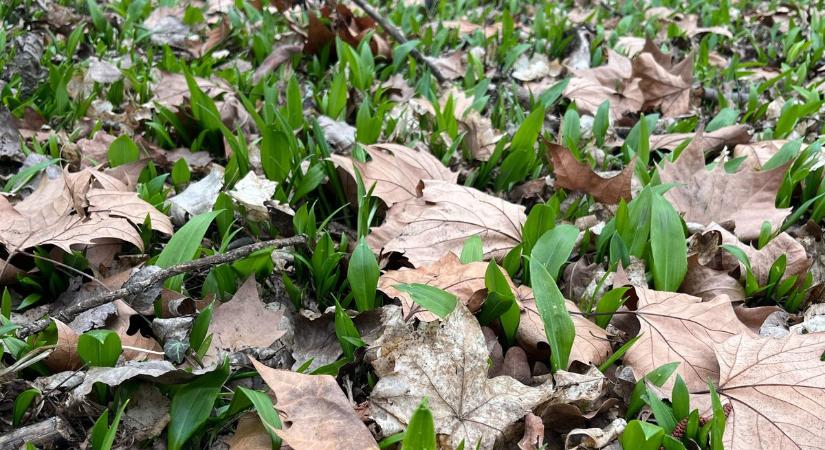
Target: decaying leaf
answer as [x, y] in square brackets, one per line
[395, 170]
[665, 86]
[709, 283]
[613, 82]
[426, 228]
[198, 197]
[574, 175]
[447, 363]
[448, 273]
[704, 196]
[349, 27]
[243, 322]
[251, 192]
[775, 386]
[77, 209]
[681, 328]
[591, 345]
[317, 411]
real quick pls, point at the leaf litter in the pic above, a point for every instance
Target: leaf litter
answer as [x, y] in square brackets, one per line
[411, 227]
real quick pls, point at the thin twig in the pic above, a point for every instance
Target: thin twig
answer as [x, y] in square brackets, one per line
[136, 287]
[399, 37]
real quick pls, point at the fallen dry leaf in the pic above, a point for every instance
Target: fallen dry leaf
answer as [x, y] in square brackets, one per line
[533, 438]
[591, 345]
[395, 170]
[704, 196]
[447, 363]
[681, 328]
[243, 322]
[665, 86]
[171, 91]
[708, 141]
[577, 176]
[708, 283]
[281, 53]
[251, 192]
[349, 27]
[64, 356]
[250, 434]
[761, 260]
[448, 273]
[426, 228]
[77, 209]
[317, 411]
[614, 82]
[140, 348]
[452, 66]
[775, 386]
[464, 26]
[758, 153]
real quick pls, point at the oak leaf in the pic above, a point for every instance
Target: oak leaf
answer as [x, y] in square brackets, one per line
[577, 176]
[681, 328]
[448, 273]
[704, 196]
[426, 228]
[447, 363]
[319, 415]
[775, 386]
[395, 170]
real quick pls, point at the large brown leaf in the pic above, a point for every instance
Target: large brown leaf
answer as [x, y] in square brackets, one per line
[574, 175]
[243, 322]
[77, 209]
[319, 415]
[665, 86]
[591, 345]
[708, 283]
[758, 153]
[776, 387]
[425, 229]
[681, 328]
[395, 170]
[448, 365]
[448, 273]
[704, 196]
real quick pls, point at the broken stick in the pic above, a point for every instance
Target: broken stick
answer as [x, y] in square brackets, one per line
[134, 287]
[399, 37]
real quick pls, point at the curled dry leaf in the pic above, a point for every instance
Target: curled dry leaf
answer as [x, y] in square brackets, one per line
[243, 322]
[574, 175]
[426, 228]
[709, 141]
[591, 345]
[758, 153]
[665, 86]
[64, 356]
[761, 260]
[448, 273]
[775, 386]
[704, 196]
[614, 82]
[533, 438]
[681, 328]
[317, 411]
[77, 209]
[447, 363]
[708, 283]
[395, 170]
[251, 192]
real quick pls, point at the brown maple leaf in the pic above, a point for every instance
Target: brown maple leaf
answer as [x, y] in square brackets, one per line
[665, 86]
[776, 387]
[448, 365]
[681, 328]
[425, 229]
[395, 170]
[614, 82]
[758, 153]
[704, 196]
[577, 176]
[464, 281]
[317, 411]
